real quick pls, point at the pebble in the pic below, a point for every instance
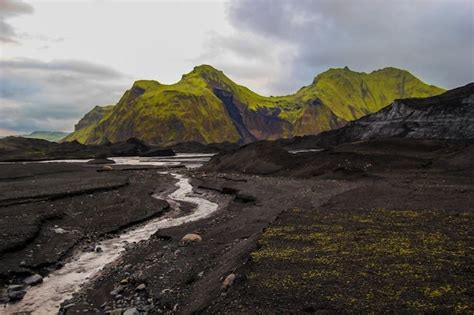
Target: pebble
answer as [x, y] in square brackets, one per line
[117, 290]
[59, 231]
[229, 281]
[141, 287]
[124, 281]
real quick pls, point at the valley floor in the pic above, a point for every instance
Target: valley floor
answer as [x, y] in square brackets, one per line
[375, 241]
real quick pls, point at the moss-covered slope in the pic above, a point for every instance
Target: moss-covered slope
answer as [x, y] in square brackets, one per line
[206, 106]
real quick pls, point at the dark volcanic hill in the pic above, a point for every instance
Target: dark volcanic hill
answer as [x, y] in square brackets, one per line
[446, 116]
[206, 106]
[415, 125]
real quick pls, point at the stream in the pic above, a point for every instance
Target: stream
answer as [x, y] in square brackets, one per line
[61, 284]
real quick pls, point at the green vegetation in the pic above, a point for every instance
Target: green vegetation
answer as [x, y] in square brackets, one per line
[85, 128]
[189, 110]
[370, 261]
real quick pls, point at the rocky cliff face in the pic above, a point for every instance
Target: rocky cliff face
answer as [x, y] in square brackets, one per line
[206, 106]
[449, 116]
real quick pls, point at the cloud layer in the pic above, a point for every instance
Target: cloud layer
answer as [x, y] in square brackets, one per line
[434, 39]
[9, 9]
[37, 95]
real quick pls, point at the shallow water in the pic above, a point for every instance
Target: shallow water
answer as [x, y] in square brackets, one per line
[61, 284]
[190, 160]
[306, 150]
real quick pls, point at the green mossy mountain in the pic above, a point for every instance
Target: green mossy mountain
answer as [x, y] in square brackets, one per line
[206, 106]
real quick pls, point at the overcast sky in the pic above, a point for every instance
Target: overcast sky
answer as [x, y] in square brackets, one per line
[58, 59]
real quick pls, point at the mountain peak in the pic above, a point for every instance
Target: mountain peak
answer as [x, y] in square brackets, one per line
[146, 84]
[206, 72]
[203, 69]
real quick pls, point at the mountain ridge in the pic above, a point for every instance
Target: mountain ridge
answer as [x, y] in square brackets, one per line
[206, 106]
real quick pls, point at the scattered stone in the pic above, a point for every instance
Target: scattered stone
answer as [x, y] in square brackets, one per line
[131, 311]
[16, 296]
[228, 282]
[22, 263]
[191, 238]
[124, 281]
[107, 168]
[15, 287]
[117, 290]
[33, 280]
[59, 231]
[98, 249]
[64, 308]
[117, 311]
[141, 287]
[201, 274]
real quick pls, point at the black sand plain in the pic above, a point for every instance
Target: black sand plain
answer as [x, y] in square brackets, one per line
[382, 226]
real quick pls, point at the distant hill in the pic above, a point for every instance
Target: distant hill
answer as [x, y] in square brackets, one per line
[449, 116]
[54, 136]
[206, 106]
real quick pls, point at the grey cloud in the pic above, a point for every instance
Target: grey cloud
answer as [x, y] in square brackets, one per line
[9, 9]
[35, 95]
[433, 39]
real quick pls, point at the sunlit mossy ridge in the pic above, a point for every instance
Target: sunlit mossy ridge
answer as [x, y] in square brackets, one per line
[193, 110]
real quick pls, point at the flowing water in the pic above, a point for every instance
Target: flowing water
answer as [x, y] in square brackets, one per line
[60, 285]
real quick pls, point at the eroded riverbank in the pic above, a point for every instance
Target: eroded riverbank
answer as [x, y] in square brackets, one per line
[60, 285]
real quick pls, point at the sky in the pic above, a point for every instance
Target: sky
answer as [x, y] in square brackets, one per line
[58, 59]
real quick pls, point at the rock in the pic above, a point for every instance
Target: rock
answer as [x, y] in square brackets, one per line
[15, 287]
[22, 263]
[117, 311]
[59, 231]
[131, 311]
[228, 281]
[33, 280]
[98, 249]
[3, 296]
[117, 290]
[16, 295]
[107, 168]
[141, 287]
[191, 238]
[124, 281]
